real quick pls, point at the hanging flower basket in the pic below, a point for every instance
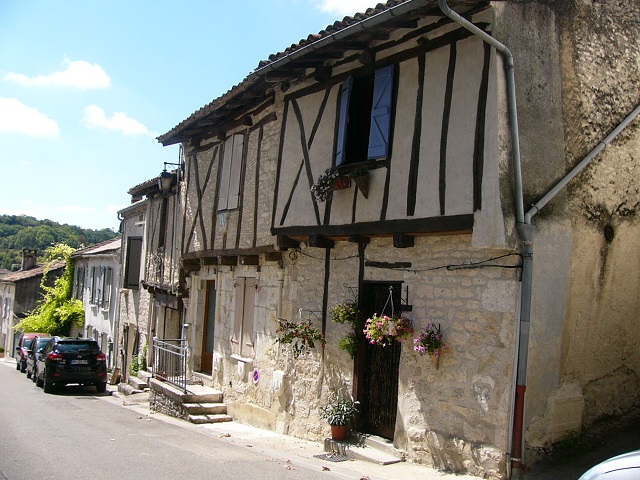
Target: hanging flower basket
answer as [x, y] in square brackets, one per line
[382, 330]
[430, 341]
[340, 183]
[361, 179]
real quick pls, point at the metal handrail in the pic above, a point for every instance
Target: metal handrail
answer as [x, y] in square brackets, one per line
[170, 361]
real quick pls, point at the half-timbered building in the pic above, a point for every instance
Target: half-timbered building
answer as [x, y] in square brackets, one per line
[453, 132]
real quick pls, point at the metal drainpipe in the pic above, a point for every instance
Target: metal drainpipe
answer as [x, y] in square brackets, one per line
[525, 231]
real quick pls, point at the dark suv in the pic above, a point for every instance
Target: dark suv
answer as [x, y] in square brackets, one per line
[71, 360]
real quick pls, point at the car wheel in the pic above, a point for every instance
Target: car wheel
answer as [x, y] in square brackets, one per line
[39, 382]
[28, 374]
[34, 376]
[101, 387]
[18, 365]
[23, 367]
[47, 386]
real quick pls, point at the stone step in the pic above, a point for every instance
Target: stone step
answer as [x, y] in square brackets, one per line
[367, 448]
[138, 383]
[127, 389]
[200, 419]
[205, 408]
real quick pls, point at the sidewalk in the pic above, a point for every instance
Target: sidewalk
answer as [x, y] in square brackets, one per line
[289, 450]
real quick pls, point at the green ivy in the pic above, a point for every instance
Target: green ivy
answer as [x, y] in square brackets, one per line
[57, 312]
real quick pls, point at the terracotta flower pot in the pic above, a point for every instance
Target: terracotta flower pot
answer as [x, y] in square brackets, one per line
[339, 432]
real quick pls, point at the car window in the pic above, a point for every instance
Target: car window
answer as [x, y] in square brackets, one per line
[41, 343]
[76, 347]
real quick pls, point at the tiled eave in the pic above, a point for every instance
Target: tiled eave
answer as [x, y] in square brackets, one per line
[309, 58]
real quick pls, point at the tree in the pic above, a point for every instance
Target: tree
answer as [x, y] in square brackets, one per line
[57, 312]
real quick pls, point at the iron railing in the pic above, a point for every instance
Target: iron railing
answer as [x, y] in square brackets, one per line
[170, 361]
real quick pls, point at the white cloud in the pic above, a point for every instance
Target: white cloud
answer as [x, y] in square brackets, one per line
[16, 117]
[345, 7]
[78, 74]
[75, 209]
[95, 117]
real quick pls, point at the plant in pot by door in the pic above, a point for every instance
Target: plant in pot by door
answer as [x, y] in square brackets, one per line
[339, 412]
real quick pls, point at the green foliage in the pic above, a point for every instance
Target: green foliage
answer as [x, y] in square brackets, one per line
[300, 335]
[143, 358]
[339, 410]
[349, 344]
[351, 314]
[134, 366]
[57, 312]
[21, 231]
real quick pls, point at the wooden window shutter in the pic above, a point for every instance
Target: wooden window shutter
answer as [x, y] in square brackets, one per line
[343, 119]
[381, 113]
[134, 255]
[92, 297]
[236, 166]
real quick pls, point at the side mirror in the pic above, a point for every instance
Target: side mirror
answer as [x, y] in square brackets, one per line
[17, 349]
[40, 350]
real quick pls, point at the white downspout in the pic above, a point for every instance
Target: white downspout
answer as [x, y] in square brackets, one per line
[515, 439]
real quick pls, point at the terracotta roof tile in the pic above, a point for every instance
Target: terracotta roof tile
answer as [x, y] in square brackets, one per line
[13, 277]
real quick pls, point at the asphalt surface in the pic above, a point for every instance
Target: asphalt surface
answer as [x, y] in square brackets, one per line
[568, 460]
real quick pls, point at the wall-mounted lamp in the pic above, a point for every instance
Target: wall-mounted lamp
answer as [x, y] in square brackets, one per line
[166, 179]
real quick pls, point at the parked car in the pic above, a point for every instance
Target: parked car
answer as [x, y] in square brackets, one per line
[21, 350]
[621, 467]
[71, 360]
[37, 343]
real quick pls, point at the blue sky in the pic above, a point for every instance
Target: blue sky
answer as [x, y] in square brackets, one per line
[86, 86]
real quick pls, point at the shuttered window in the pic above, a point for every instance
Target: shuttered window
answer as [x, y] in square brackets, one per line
[242, 340]
[134, 256]
[232, 157]
[364, 117]
[92, 284]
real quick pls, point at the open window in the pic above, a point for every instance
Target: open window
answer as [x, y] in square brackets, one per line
[364, 122]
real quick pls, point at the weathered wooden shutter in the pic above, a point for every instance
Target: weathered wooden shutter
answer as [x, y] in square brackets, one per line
[381, 113]
[244, 313]
[343, 119]
[92, 297]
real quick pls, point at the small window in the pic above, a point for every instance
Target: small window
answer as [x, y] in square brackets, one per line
[364, 122]
[134, 256]
[105, 291]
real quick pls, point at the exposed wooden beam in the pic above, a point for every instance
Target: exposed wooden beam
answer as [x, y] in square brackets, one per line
[228, 260]
[275, 77]
[283, 242]
[191, 265]
[320, 242]
[359, 239]
[248, 260]
[390, 265]
[273, 257]
[402, 240]
[322, 73]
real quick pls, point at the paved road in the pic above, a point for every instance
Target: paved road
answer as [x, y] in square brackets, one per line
[75, 434]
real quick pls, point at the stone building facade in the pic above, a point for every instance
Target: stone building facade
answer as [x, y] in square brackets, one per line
[529, 302]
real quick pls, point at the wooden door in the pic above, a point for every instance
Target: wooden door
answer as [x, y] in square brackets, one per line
[206, 363]
[378, 385]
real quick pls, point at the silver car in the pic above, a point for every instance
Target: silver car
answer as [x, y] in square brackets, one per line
[622, 467]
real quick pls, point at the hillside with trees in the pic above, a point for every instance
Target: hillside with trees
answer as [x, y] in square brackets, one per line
[21, 231]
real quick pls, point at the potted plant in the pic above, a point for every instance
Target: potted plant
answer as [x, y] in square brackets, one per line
[430, 341]
[382, 330]
[327, 182]
[339, 412]
[300, 335]
[348, 313]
